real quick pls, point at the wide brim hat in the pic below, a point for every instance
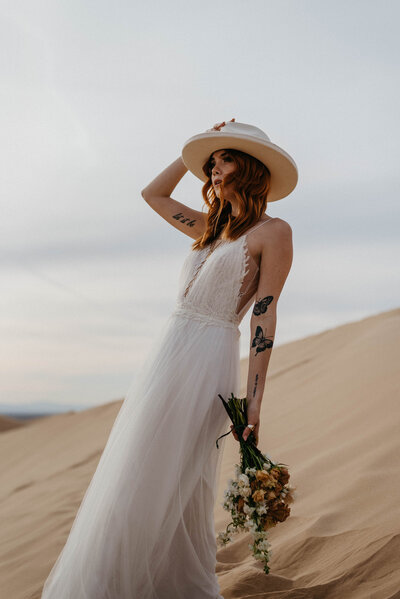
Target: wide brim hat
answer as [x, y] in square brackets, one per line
[247, 138]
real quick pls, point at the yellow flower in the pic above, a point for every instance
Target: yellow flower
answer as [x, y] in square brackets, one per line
[262, 476]
[268, 523]
[258, 495]
[274, 472]
[280, 512]
[284, 476]
[265, 479]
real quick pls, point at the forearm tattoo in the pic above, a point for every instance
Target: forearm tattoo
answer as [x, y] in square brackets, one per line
[261, 342]
[183, 219]
[255, 386]
[261, 306]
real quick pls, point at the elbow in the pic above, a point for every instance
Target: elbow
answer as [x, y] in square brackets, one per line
[145, 195]
[269, 317]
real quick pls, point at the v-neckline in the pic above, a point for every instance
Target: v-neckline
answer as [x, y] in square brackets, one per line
[221, 242]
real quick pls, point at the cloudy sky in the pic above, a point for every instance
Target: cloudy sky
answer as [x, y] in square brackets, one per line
[98, 97]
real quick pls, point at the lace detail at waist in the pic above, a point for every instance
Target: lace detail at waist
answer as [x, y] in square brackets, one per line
[191, 313]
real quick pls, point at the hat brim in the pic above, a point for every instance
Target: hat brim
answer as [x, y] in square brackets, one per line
[284, 174]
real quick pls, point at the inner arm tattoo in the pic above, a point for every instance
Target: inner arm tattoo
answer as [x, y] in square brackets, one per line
[184, 219]
[261, 342]
[261, 306]
[255, 386]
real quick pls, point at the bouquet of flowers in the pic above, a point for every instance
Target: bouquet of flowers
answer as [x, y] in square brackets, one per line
[259, 496]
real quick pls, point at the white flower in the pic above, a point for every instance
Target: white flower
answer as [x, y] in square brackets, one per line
[232, 485]
[224, 538]
[251, 471]
[264, 546]
[244, 480]
[245, 491]
[262, 509]
[248, 509]
[253, 527]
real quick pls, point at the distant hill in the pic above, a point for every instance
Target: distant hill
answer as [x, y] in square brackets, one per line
[29, 411]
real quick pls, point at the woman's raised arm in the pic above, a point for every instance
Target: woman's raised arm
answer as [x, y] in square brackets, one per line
[158, 195]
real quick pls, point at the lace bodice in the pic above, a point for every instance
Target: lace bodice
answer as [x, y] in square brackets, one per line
[219, 285]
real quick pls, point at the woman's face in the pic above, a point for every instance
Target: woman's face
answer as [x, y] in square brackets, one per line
[221, 164]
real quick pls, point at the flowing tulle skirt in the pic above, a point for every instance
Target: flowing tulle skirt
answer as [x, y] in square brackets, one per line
[145, 527]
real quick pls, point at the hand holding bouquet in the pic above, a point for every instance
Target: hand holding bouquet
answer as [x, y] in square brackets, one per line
[259, 497]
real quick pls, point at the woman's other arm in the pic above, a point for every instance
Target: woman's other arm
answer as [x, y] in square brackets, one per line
[276, 260]
[158, 195]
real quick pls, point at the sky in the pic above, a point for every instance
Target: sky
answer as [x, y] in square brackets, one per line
[98, 97]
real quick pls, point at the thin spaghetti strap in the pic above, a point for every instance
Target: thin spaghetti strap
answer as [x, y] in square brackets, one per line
[258, 225]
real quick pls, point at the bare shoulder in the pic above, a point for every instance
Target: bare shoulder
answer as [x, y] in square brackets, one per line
[275, 231]
[278, 233]
[277, 246]
[280, 228]
[276, 257]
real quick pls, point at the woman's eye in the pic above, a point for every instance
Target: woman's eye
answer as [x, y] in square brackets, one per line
[226, 159]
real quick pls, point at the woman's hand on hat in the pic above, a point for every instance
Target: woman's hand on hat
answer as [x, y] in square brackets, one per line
[218, 126]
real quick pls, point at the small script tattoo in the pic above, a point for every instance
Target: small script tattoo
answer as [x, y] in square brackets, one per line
[261, 306]
[255, 386]
[183, 219]
[261, 341]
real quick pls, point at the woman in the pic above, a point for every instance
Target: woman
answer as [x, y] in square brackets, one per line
[145, 527]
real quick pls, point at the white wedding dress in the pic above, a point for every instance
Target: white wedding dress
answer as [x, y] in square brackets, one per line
[145, 526]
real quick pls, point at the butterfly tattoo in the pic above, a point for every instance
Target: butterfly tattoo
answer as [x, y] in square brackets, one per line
[261, 341]
[262, 305]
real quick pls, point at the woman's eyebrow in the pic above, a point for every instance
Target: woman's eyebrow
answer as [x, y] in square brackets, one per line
[223, 154]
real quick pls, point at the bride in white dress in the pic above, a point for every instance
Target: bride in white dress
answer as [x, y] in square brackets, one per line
[145, 527]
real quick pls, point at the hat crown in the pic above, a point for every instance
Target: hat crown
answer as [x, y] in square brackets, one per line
[241, 129]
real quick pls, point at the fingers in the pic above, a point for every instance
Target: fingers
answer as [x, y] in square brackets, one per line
[218, 126]
[234, 433]
[246, 433]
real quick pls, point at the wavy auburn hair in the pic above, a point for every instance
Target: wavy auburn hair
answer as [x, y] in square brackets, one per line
[252, 181]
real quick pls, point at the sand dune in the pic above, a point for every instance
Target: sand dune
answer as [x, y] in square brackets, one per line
[330, 411]
[7, 423]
